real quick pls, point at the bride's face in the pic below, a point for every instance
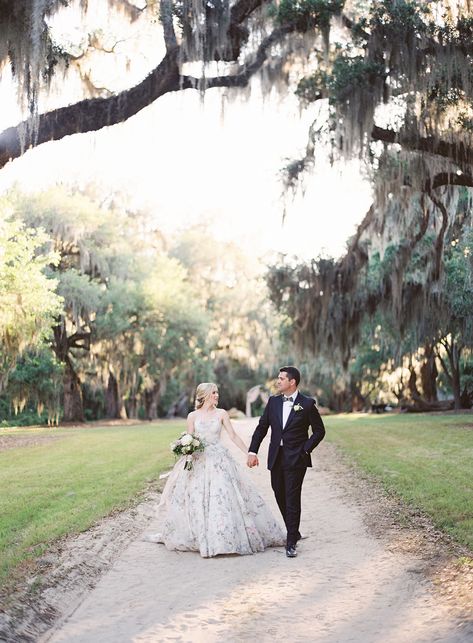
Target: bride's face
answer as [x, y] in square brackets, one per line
[213, 398]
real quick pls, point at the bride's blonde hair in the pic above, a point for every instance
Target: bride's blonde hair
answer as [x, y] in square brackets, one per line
[202, 392]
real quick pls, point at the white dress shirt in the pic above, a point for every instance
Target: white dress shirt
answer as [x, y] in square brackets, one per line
[287, 408]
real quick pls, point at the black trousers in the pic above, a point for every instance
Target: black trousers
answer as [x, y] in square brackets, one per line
[287, 486]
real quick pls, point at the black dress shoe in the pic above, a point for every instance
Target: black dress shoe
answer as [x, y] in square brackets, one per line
[291, 551]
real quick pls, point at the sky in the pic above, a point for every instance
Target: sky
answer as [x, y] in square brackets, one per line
[216, 160]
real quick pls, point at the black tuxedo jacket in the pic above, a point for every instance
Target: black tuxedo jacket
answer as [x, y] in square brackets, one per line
[295, 436]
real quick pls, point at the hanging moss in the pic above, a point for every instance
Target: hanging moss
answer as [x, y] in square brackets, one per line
[25, 43]
[204, 25]
[394, 266]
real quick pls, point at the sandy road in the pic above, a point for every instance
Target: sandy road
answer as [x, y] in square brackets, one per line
[345, 586]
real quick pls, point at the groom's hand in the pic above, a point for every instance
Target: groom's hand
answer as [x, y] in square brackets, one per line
[252, 460]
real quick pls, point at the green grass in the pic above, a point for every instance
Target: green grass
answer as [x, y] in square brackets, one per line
[63, 486]
[427, 460]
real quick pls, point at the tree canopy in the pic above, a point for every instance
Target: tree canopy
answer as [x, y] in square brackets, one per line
[121, 321]
[414, 56]
[394, 83]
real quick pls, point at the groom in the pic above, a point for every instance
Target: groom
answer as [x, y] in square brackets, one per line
[289, 415]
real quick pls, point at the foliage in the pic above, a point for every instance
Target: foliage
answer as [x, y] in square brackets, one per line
[398, 18]
[313, 87]
[375, 306]
[240, 328]
[458, 291]
[397, 78]
[28, 301]
[36, 378]
[307, 14]
[138, 326]
[351, 72]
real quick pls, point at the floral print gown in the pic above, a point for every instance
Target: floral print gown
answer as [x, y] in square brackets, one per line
[214, 507]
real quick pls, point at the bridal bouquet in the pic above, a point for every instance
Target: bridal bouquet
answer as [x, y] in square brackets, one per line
[187, 445]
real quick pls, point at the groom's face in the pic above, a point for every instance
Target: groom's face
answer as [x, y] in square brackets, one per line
[284, 384]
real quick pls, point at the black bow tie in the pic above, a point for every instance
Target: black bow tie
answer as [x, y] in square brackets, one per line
[288, 399]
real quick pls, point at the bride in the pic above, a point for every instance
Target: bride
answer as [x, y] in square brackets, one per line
[214, 508]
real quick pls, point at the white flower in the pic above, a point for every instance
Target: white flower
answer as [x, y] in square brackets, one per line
[298, 407]
[195, 443]
[186, 439]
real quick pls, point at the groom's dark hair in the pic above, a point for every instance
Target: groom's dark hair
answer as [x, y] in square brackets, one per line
[292, 372]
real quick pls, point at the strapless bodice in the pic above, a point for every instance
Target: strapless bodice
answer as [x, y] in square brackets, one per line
[209, 430]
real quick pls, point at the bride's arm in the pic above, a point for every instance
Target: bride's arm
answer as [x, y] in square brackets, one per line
[190, 422]
[231, 432]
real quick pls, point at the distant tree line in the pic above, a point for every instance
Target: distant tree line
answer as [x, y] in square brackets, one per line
[102, 316]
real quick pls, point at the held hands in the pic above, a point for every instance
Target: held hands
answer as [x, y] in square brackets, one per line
[252, 460]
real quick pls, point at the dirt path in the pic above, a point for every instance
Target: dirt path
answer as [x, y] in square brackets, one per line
[347, 584]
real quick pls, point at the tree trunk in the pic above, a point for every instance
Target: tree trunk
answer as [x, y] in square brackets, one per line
[412, 384]
[152, 397]
[132, 407]
[417, 403]
[111, 397]
[73, 407]
[466, 398]
[456, 389]
[428, 375]
[453, 350]
[340, 401]
[420, 406]
[358, 402]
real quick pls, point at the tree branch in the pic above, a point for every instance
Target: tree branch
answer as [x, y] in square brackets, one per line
[349, 24]
[242, 9]
[447, 347]
[456, 152]
[80, 339]
[245, 72]
[440, 239]
[94, 114]
[166, 18]
[448, 178]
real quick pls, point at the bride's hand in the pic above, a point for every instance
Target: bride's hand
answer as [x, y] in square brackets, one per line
[252, 461]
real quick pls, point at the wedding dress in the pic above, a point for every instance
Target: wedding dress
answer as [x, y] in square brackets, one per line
[214, 508]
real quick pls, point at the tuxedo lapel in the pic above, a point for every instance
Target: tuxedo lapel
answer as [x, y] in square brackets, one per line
[279, 408]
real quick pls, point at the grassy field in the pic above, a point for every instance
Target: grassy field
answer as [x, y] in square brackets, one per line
[63, 480]
[425, 459]
[63, 484]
